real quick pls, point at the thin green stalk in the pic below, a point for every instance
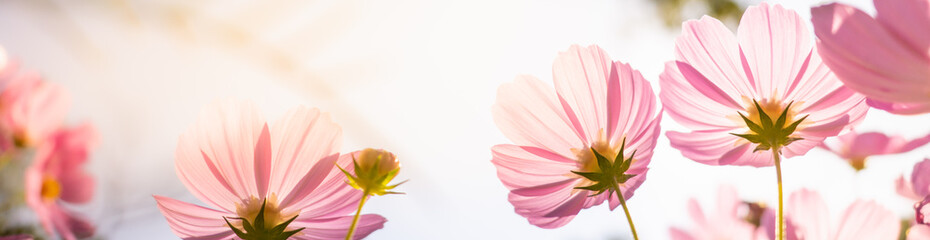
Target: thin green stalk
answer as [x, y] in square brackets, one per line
[781, 212]
[627, 212]
[357, 214]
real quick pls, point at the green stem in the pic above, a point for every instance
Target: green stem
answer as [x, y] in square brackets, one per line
[781, 212]
[627, 212]
[357, 214]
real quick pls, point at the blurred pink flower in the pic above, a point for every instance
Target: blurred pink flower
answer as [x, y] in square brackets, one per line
[719, 76]
[56, 175]
[731, 219]
[855, 147]
[918, 232]
[808, 219]
[31, 109]
[232, 161]
[597, 104]
[917, 187]
[887, 58]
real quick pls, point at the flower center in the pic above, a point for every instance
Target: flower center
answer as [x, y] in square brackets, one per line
[273, 214]
[587, 161]
[51, 189]
[603, 167]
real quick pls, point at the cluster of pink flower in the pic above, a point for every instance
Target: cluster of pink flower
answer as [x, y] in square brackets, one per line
[32, 112]
[749, 99]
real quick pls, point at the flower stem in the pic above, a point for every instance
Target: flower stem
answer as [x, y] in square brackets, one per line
[627, 212]
[357, 214]
[781, 212]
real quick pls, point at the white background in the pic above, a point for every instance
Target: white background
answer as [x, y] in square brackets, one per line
[414, 77]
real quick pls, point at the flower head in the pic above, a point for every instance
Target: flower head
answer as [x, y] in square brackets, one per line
[594, 133]
[57, 176]
[763, 90]
[264, 181]
[808, 218]
[887, 57]
[855, 147]
[374, 170]
[731, 219]
[31, 109]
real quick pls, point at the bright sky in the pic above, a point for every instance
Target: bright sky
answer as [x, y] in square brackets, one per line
[414, 77]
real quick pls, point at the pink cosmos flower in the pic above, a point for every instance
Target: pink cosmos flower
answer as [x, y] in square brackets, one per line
[238, 164]
[718, 79]
[808, 219]
[855, 147]
[887, 58]
[597, 104]
[31, 109]
[56, 176]
[917, 187]
[731, 219]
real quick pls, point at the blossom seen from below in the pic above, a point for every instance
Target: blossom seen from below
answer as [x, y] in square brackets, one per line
[564, 139]
[240, 166]
[886, 58]
[731, 218]
[56, 176]
[855, 147]
[809, 219]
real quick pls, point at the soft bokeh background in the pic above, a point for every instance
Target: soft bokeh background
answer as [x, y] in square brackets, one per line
[416, 77]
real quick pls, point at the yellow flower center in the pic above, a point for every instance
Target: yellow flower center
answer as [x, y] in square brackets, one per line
[274, 215]
[586, 160]
[51, 189]
[770, 107]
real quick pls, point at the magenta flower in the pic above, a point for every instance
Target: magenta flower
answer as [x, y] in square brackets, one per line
[808, 219]
[31, 109]
[595, 133]
[56, 176]
[855, 147]
[731, 219]
[267, 183]
[887, 58]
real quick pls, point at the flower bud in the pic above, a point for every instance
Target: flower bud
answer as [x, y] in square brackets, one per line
[374, 170]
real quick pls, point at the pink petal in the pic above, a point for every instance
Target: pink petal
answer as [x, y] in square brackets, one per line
[904, 188]
[631, 103]
[190, 221]
[900, 108]
[215, 159]
[333, 197]
[868, 144]
[33, 108]
[718, 148]
[70, 226]
[528, 113]
[520, 167]
[868, 220]
[868, 58]
[807, 216]
[77, 187]
[679, 234]
[680, 86]
[262, 162]
[305, 147]
[918, 232]
[337, 227]
[920, 178]
[775, 45]
[906, 19]
[580, 76]
[709, 47]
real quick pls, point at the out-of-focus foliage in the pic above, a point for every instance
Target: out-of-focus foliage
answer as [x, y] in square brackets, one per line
[673, 12]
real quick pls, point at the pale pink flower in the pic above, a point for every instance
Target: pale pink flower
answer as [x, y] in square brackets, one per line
[918, 232]
[730, 219]
[31, 109]
[718, 76]
[808, 219]
[887, 58]
[57, 176]
[234, 161]
[597, 103]
[855, 147]
[917, 187]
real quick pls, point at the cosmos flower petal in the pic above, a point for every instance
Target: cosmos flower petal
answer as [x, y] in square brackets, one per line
[334, 198]
[631, 103]
[904, 188]
[580, 76]
[918, 232]
[679, 89]
[900, 108]
[900, 17]
[190, 221]
[529, 114]
[715, 148]
[920, 178]
[33, 109]
[215, 159]
[679, 234]
[775, 46]
[336, 228]
[867, 220]
[867, 57]
[807, 216]
[305, 145]
[520, 167]
[711, 49]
